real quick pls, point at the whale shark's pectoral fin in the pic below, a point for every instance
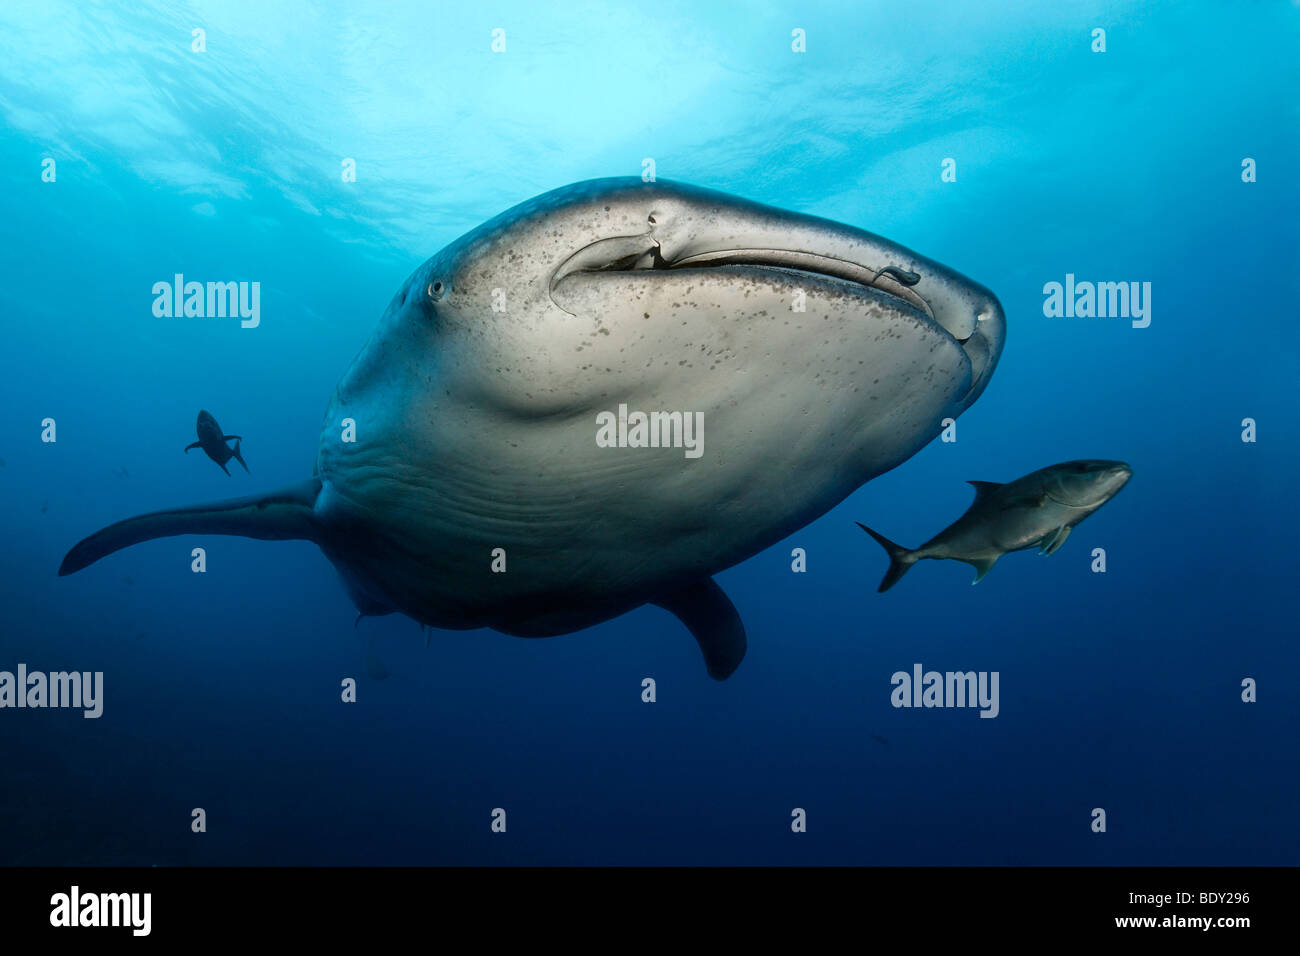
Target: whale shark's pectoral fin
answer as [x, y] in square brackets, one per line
[711, 617]
[232, 437]
[1053, 541]
[190, 448]
[982, 566]
[281, 515]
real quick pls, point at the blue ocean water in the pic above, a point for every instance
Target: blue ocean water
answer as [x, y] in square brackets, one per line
[1120, 691]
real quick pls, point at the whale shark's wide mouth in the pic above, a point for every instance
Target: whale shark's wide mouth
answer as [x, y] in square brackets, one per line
[969, 314]
[891, 280]
[642, 253]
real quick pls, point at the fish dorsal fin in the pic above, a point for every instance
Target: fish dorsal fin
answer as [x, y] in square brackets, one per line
[711, 617]
[983, 489]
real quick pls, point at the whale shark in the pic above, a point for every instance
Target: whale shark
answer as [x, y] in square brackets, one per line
[460, 478]
[1037, 510]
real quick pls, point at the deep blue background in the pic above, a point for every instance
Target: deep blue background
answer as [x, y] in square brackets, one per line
[1118, 690]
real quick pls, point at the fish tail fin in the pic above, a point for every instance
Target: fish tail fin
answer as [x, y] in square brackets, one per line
[235, 453]
[900, 558]
[282, 515]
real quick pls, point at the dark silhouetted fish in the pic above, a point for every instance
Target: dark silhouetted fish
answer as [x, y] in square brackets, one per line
[213, 442]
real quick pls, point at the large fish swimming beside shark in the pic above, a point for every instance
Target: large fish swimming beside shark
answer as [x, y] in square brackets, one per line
[470, 490]
[1036, 511]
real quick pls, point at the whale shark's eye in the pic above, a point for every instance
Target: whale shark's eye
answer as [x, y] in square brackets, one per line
[435, 290]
